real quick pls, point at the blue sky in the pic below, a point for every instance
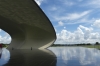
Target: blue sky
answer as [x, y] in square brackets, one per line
[75, 21]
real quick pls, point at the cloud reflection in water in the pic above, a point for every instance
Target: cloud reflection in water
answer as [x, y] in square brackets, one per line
[5, 56]
[77, 56]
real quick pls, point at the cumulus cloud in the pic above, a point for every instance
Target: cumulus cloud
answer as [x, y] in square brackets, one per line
[81, 35]
[39, 2]
[96, 23]
[6, 39]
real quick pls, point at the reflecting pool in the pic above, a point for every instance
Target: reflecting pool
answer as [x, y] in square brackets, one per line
[4, 56]
[76, 56]
[53, 56]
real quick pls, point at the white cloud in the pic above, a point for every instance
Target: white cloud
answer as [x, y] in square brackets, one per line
[78, 34]
[84, 20]
[72, 16]
[64, 27]
[85, 28]
[91, 3]
[81, 35]
[53, 8]
[96, 23]
[60, 23]
[6, 39]
[39, 2]
[94, 3]
[55, 29]
[0, 30]
[4, 57]
[95, 35]
[87, 31]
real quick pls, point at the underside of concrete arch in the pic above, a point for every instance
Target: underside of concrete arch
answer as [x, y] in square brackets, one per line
[26, 23]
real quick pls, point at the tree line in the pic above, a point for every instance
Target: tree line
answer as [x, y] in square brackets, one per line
[4, 45]
[80, 44]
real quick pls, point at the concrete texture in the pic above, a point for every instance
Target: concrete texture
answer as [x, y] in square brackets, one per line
[26, 23]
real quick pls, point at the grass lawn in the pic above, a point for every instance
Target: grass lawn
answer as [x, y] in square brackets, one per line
[88, 46]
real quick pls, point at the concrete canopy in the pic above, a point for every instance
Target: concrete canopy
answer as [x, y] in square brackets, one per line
[26, 23]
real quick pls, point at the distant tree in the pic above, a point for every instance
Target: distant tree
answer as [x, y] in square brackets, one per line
[88, 43]
[97, 43]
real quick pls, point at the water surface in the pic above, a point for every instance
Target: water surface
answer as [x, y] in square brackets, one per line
[76, 56]
[53, 56]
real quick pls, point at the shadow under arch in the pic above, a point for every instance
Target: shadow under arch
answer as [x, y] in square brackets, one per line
[35, 57]
[26, 23]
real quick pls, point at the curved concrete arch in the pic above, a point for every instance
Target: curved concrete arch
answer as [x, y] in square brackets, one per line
[26, 23]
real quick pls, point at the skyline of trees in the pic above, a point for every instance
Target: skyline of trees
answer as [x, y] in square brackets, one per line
[78, 44]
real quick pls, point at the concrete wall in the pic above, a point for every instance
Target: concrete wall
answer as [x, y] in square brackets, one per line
[26, 23]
